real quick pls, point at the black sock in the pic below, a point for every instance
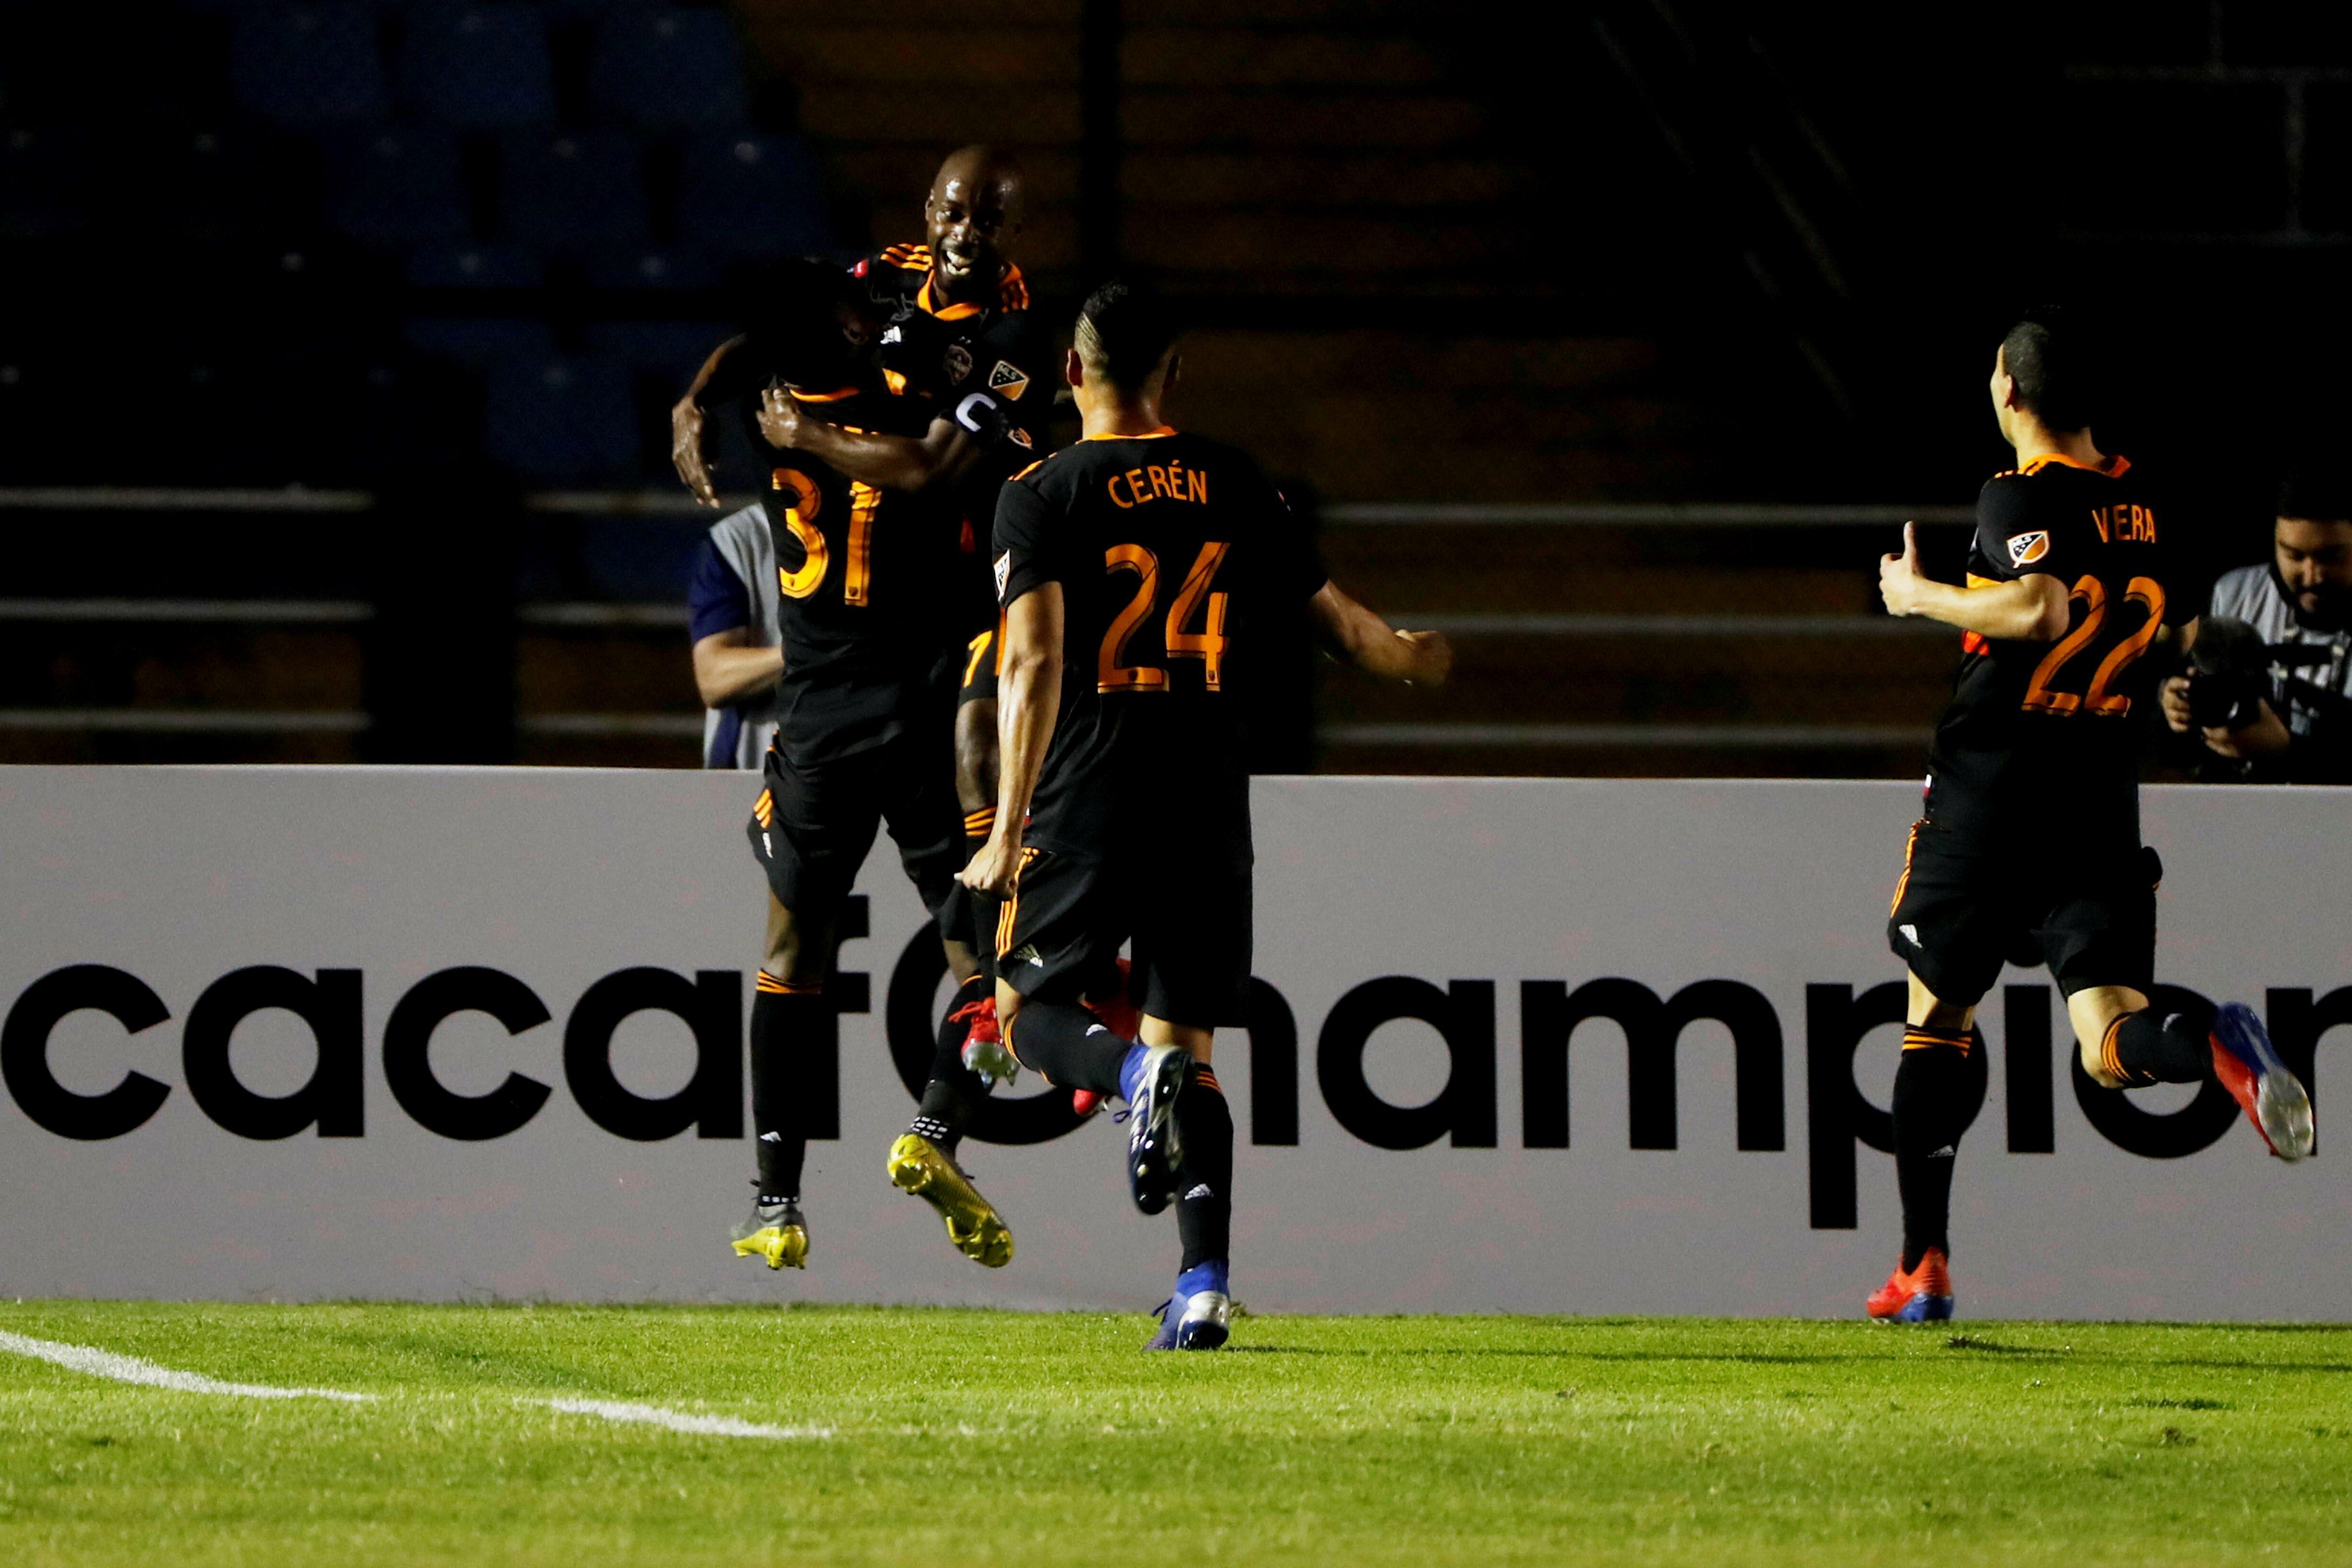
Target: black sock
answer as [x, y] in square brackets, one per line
[1935, 1100]
[2150, 1047]
[1204, 1180]
[785, 1013]
[1062, 1042]
[954, 1088]
[985, 907]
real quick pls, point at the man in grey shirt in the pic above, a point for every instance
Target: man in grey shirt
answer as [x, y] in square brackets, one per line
[2299, 603]
[738, 652]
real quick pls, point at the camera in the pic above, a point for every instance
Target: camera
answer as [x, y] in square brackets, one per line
[2229, 674]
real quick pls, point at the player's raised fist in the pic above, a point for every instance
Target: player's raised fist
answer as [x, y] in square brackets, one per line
[1432, 657]
[780, 418]
[993, 869]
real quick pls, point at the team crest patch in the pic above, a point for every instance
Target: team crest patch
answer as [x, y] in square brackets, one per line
[1007, 379]
[2028, 548]
[1004, 573]
[958, 363]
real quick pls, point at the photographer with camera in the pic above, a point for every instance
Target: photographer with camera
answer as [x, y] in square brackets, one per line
[2270, 683]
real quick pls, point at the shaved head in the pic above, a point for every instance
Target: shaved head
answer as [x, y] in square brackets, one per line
[972, 213]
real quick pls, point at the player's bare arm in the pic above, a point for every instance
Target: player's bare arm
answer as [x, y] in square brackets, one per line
[1362, 638]
[2031, 609]
[727, 668]
[942, 456]
[686, 421]
[1029, 701]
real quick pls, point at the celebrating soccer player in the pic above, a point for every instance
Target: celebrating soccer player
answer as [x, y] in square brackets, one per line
[965, 377]
[1135, 570]
[2030, 836]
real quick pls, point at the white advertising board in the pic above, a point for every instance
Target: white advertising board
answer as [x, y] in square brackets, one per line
[1523, 1045]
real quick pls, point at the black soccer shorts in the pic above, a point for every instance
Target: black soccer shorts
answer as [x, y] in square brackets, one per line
[980, 656]
[1961, 912]
[1060, 931]
[814, 822]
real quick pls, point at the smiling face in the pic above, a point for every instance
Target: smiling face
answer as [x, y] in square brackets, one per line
[972, 212]
[2314, 562]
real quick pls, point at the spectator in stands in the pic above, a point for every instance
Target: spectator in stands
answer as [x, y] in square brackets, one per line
[738, 655]
[2271, 699]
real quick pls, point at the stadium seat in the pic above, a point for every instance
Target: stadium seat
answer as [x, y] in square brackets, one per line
[480, 66]
[667, 266]
[665, 70]
[669, 349]
[44, 172]
[570, 193]
[479, 342]
[562, 421]
[747, 195]
[309, 65]
[464, 265]
[395, 185]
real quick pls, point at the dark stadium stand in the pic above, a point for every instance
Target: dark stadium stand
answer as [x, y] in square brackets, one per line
[441, 254]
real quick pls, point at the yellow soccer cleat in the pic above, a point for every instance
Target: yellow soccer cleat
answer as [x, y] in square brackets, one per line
[919, 1166]
[776, 1232]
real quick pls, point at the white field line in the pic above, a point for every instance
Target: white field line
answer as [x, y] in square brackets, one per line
[677, 1420]
[131, 1369]
[97, 1362]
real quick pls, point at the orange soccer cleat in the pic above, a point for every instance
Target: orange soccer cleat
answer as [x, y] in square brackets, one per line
[1921, 1295]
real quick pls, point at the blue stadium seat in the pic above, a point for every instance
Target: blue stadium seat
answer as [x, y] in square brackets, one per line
[395, 185]
[464, 265]
[479, 343]
[309, 65]
[651, 268]
[480, 66]
[44, 172]
[666, 70]
[568, 193]
[668, 351]
[562, 421]
[747, 195]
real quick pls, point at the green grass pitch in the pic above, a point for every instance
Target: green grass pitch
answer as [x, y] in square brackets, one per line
[1036, 1439]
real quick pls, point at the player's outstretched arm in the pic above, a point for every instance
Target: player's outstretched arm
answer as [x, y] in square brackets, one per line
[712, 384]
[2031, 609]
[940, 456]
[1362, 638]
[1029, 701]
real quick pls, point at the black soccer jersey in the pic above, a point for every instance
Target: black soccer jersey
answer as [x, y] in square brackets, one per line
[865, 579]
[1170, 550]
[987, 365]
[2039, 747]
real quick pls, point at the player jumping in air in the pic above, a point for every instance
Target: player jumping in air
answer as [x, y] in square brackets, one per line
[1135, 569]
[967, 374]
[2030, 836]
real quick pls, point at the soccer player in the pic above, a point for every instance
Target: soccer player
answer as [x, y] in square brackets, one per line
[2030, 837]
[957, 346]
[864, 719]
[1134, 570]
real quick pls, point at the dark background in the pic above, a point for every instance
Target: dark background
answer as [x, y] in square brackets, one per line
[445, 266]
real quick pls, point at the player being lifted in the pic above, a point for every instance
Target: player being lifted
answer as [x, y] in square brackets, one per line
[955, 347]
[1133, 569]
[2030, 836]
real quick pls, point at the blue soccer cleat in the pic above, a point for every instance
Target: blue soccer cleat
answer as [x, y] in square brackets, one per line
[1199, 1315]
[1152, 1078]
[2250, 1068]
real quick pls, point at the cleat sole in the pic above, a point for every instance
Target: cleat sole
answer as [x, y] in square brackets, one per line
[972, 1225]
[2280, 1107]
[1153, 1149]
